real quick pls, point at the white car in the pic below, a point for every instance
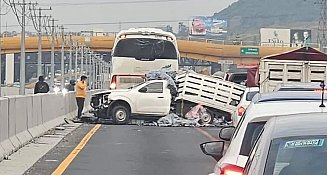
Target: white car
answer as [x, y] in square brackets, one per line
[262, 108]
[245, 101]
[151, 99]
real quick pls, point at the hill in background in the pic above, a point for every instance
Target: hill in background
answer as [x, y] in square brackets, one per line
[246, 17]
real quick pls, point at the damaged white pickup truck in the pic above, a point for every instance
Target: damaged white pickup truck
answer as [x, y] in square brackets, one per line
[158, 97]
[151, 98]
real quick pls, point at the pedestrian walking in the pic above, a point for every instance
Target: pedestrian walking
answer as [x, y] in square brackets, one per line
[81, 87]
[41, 86]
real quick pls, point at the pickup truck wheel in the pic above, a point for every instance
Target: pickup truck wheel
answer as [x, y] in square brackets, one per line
[207, 117]
[120, 115]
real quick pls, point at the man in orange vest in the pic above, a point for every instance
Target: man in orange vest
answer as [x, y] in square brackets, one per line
[81, 88]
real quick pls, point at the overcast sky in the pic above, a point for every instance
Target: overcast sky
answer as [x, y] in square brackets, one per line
[104, 11]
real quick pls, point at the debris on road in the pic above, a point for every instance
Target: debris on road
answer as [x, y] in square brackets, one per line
[59, 128]
[173, 120]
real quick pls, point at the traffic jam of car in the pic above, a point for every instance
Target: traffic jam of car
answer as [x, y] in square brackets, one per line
[282, 129]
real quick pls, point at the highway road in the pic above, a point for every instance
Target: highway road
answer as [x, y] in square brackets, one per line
[135, 150]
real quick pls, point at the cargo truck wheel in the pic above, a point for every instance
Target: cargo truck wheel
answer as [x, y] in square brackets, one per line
[207, 117]
[120, 115]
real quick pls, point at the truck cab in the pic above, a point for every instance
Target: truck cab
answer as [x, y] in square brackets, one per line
[151, 98]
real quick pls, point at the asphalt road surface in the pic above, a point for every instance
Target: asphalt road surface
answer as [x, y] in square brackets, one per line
[132, 150]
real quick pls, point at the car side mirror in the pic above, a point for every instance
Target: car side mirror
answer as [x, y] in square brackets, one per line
[226, 133]
[214, 149]
[143, 89]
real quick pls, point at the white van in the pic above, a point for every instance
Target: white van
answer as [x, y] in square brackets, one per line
[263, 107]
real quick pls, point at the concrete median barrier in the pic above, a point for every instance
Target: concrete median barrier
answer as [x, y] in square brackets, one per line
[26, 117]
[12, 122]
[21, 119]
[34, 122]
[6, 147]
[52, 110]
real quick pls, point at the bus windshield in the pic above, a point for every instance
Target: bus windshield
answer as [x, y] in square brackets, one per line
[146, 49]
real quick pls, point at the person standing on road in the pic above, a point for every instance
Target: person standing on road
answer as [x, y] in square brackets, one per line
[41, 86]
[81, 95]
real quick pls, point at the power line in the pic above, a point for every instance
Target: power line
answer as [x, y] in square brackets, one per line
[110, 23]
[110, 3]
[21, 13]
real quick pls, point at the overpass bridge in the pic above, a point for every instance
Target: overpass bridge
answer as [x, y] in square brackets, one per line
[205, 51]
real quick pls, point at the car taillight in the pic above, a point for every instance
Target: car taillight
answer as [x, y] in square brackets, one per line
[228, 169]
[240, 111]
[113, 84]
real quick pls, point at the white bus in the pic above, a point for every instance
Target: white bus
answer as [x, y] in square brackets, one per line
[138, 51]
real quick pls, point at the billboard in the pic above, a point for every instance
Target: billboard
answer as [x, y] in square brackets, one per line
[300, 37]
[207, 25]
[275, 37]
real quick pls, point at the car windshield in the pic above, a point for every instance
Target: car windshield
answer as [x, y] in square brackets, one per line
[297, 156]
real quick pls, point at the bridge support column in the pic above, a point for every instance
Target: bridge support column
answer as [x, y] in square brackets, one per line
[10, 69]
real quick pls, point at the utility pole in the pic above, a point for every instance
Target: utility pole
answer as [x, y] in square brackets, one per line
[52, 61]
[62, 57]
[76, 61]
[82, 60]
[322, 28]
[22, 56]
[70, 68]
[21, 17]
[102, 72]
[89, 65]
[86, 62]
[95, 82]
[37, 23]
[95, 59]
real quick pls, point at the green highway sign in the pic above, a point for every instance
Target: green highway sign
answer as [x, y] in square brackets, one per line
[249, 51]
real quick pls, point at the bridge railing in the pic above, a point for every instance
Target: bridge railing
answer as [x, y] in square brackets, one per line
[247, 43]
[206, 40]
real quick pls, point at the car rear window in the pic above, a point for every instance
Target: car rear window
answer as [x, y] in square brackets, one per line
[250, 95]
[298, 156]
[251, 134]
